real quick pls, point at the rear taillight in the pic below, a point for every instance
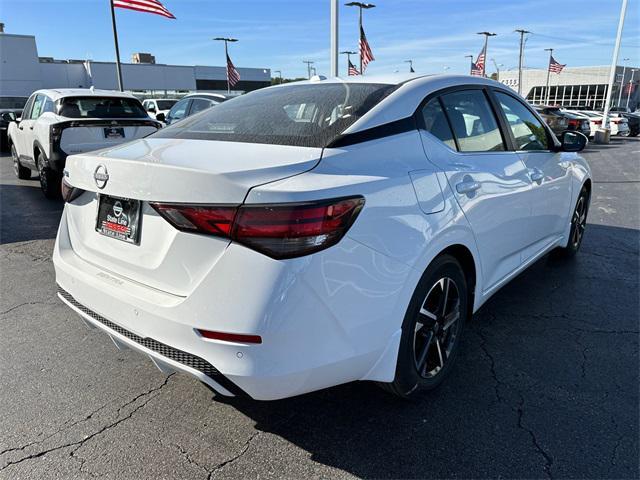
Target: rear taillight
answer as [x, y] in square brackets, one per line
[278, 230]
[573, 123]
[69, 192]
[598, 122]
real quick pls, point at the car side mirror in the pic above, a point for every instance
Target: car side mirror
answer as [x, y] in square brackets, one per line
[572, 141]
[9, 117]
[160, 117]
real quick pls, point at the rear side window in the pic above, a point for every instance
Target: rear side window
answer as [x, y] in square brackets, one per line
[435, 122]
[310, 115]
[473, 122]
[37, 107]
[101, 107]
[527, 130]
[200, 104]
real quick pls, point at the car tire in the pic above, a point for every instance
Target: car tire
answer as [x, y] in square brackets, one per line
[431, 329]
[23, 173]
[49, 179]
[578, 225]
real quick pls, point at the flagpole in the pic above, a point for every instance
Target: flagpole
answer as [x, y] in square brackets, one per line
[226, 59]
[550, 50]
[115, 39]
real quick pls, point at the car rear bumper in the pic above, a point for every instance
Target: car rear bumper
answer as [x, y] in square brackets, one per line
[317, 329]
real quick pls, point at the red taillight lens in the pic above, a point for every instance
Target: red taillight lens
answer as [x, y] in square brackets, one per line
[573, 123]
[277, 230]
[598, 122]
[69, 192]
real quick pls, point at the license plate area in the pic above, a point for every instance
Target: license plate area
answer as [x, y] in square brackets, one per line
[113, 132]
[119, 218]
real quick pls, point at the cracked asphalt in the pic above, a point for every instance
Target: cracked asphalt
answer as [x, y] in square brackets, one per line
[546, 385]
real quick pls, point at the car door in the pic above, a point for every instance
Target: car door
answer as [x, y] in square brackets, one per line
[178, 111]
[27, 132]
[548, 170]
[489, 182]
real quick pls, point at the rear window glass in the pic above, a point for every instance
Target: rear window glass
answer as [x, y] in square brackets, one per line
[101, 107]
[165, 104]
[299, 115]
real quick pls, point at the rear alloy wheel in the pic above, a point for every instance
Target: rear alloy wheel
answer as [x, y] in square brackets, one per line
[49, 180]
[432, 329]
[578, 225]
[23, 173]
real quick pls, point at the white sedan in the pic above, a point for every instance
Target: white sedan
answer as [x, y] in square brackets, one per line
[311, 234]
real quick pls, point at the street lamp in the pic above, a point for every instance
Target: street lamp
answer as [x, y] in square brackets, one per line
[624, 68]
[348, 53]
[633, 73]
[497, 65]
[486, 43]
[226, 54]
[410, 62]
[470, 57]
[360, 6]
[279, 72]
[309, 63]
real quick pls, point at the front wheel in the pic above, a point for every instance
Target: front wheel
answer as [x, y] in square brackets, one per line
[49, 180]
[23, 173]
[432, 329]
[578, 225]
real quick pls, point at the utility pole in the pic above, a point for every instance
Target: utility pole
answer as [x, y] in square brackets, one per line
[348, 53]
[624, 68]
[334, 38]
[309, 63]
[470, 57]
[410, 62]
[486, 43]
[550, 50]
[360, 6]
[520, 60]
[612, 74]
[633, 74]
[226, 55]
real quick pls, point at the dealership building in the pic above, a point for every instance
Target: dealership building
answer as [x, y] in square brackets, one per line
[22, 71]
[577, 86]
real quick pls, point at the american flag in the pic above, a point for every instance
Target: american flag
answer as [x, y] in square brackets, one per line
[233, 76]
[554, 66]
[365, 50]
[477, 68]
[352, 69]
[148, 6]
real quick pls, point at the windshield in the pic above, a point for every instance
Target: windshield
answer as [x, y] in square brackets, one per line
[299, 115]
[101, 107]
[165, 104]
[12, 102]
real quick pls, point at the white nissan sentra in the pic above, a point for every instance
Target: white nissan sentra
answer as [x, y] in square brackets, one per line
[317, 233]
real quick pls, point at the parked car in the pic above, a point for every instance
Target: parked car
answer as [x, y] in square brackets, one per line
[190, 105]
[10, 110]
[58, 123]
[316, 233]
[558, 123]
[618, 125]
[158, 106]
[595, 121]
[575, 122]
[633, 119]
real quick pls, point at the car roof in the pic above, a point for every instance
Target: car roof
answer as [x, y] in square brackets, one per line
[58, 93]
[211, 96]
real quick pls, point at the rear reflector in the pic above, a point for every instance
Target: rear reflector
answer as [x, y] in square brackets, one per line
[278, 230]
[230, 337]
[69, 192]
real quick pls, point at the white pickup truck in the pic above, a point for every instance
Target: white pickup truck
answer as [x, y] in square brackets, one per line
[62, 122]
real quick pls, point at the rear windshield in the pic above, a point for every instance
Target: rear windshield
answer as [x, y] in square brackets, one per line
[101, 107]
[165, 104]
[12, 102]
[299, 115]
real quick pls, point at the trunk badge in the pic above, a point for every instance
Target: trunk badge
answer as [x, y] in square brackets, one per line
[101, 176]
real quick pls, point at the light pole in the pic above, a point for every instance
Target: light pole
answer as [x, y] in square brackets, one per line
[226, 55]
[522, 34]
[309, 63]
[497, 68]
[348, 53]
[470, 57]
[633, 74]
[624, 68]
[486, 43]
[550, 50]
[334, 38]
[612, 75]
[410, 62]
[360, 6]
[279, 72]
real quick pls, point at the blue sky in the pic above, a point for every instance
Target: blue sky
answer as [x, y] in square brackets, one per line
[279, 34]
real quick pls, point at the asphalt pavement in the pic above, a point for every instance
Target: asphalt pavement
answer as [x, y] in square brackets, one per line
[546, 385]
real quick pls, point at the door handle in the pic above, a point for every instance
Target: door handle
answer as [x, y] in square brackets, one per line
[536, 175]
[30, 128]
[21, 128]
[467, 187]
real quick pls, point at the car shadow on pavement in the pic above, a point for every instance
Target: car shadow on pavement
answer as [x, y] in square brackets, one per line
[25, 214]
[538, 367]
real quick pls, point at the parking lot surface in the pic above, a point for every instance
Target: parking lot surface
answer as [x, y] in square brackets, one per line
[546, 385]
